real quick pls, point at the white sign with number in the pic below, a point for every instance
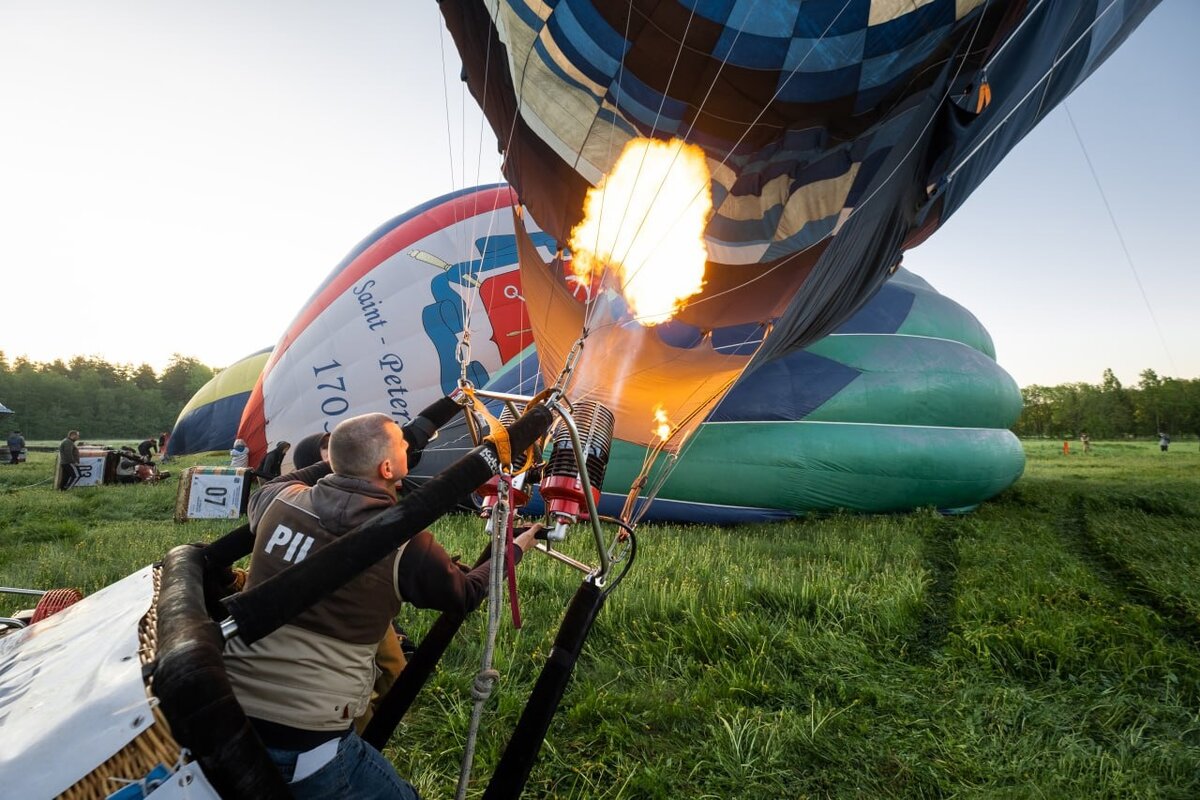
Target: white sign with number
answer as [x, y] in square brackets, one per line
[91, 471]
[215, 496]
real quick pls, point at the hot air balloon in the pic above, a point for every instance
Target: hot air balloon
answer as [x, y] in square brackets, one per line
[835, 134]
[902, 406]
[390, 328]
[210, 419]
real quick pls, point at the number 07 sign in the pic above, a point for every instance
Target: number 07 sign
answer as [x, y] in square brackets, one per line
[211, 493]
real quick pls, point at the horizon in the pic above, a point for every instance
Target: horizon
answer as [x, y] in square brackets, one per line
[130, 366]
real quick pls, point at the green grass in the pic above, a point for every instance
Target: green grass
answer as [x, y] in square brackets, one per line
[1043, 646]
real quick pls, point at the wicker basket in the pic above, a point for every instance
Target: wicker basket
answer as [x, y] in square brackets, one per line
[183, 496]
[149, 748]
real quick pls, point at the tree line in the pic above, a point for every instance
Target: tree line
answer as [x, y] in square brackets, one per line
[1109, 410]
[108, 400]
[99, 399]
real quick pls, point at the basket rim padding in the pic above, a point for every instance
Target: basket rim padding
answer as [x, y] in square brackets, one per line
[193, 688]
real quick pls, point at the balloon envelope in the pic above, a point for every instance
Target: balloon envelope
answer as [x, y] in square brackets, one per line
[392, 327]
[838, 133]
[210, 419]
[903, 406]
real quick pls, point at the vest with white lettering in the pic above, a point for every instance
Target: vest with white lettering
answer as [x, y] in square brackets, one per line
[315, 673]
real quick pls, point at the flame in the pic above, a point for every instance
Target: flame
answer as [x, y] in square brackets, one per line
[645, 223]
[662, 426]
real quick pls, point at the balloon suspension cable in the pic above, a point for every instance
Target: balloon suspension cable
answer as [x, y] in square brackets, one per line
[463, 353]
[631, 511]
[572, 360]
[579, 455]
[1062, 55]
[656, 487]
[486, 678]
[631, 499]
[782, 85]
[629, 538]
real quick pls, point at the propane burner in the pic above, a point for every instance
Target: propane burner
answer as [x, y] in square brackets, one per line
[562, 488]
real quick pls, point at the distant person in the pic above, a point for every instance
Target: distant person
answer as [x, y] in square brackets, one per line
[1086, 441]
[163, 438]
[68, 460]
[272, 464]
[1164, 442]
[146, 447]
[132, 467]
[16, 443]
[310, 450]
[239, 456]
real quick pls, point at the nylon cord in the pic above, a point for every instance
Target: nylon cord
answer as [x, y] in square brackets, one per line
[653, 130]
[1112, 217]
[486, 678]
[446, 104]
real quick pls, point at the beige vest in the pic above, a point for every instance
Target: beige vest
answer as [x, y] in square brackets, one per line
[315, 673]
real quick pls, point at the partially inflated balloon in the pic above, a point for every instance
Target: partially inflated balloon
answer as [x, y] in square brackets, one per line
[429, 293]
[210, 419]
[903, 406]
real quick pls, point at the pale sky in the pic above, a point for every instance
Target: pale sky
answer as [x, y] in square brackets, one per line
[179, 177]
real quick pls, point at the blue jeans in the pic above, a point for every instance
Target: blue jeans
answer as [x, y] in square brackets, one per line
[357, 772]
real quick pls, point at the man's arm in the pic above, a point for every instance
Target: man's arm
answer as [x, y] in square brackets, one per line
[427, 578]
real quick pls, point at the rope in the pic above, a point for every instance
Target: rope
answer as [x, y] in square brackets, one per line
[485, 681]
[446, 105]
[762, 111]
[28, 485]
[865, 201]
[1120, 237]
[1012, 36]
[637, 178]
[470, 292]
[486, 678]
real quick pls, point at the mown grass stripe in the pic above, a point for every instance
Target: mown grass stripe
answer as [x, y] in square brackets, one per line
[1178, 619]
[940, 557]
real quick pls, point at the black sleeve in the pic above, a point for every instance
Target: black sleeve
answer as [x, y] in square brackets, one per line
[427, 578]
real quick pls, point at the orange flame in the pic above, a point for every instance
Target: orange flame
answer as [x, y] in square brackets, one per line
[662, 426]
[645, 222]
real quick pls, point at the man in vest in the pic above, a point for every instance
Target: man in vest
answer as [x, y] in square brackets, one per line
[304, 685]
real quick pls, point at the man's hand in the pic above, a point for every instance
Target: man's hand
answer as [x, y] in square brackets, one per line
[528, 537]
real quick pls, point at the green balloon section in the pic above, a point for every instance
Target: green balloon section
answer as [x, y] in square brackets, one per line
[904, 406]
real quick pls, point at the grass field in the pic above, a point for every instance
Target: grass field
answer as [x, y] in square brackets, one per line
[1044, 646]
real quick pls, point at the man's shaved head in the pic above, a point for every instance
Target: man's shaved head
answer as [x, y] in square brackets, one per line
[360, 444]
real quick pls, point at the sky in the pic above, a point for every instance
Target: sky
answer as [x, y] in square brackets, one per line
[179, 177]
